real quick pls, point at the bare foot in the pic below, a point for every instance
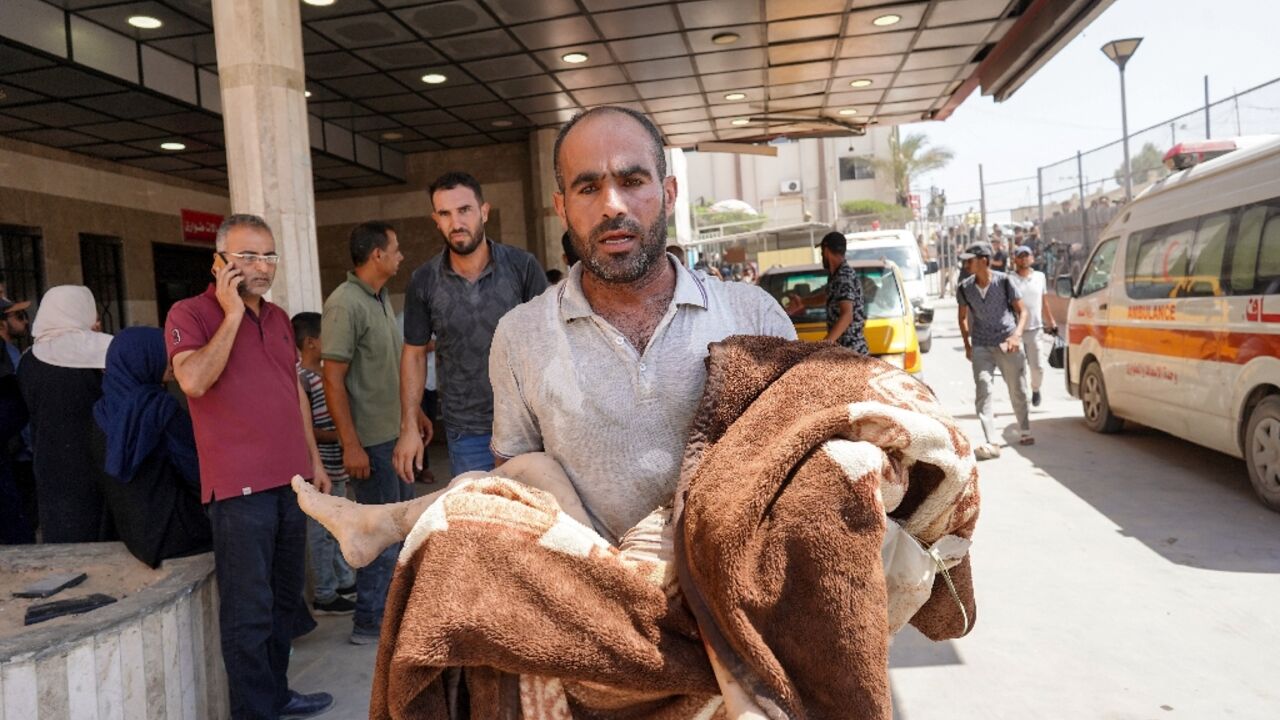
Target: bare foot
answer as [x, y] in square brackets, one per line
[362, 531]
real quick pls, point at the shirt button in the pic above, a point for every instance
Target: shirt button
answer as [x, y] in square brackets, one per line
[617, 341]
[642, 367]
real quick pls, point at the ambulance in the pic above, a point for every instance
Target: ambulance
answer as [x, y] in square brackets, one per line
[1174, 323]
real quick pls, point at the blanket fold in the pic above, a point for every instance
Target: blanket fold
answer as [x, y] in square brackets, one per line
[799, 456]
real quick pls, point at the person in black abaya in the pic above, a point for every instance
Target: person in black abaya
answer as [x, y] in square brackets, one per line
[148, 450]
[15, 525]
[61, 379]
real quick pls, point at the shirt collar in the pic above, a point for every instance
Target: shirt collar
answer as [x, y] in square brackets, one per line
[354, 279]
[690, 290]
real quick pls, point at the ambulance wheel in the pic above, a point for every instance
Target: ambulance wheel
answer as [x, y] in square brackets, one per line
[1262, 450]
[1093, 396]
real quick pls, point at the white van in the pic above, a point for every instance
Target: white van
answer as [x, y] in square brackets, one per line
[900, 247]
[1174, 322]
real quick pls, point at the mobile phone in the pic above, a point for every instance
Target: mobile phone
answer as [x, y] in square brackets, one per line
[220, 261]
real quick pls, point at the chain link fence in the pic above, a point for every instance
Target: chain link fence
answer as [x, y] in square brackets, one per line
[1079, 195]
[1074, 199]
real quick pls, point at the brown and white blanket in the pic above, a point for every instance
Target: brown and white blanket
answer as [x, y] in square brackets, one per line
[805, 462]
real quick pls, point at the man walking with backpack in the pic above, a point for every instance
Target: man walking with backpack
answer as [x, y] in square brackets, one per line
[992, 318]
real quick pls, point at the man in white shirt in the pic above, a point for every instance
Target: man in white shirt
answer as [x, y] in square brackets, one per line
[1032, 283]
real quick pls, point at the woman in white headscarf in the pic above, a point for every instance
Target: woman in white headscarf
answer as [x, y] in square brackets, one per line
[61, 379]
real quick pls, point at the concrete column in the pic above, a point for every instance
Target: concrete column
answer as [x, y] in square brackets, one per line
[264, 115]
[678, 167]
[547, 228]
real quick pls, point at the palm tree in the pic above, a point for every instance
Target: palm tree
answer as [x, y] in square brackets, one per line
[909, 158]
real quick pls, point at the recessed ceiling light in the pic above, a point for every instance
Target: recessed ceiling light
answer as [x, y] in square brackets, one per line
[502, 123]
[735, 96]
[863, 82]
[144, 22]
[172, 146]
[725, 38]
[392, 136]
[306, 93]
[574, 57]
[887, 20]
[848, 111]
[319, 3]
[433, 78]
[740, 121]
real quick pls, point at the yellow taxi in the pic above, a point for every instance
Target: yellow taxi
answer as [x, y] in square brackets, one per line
[890, 329]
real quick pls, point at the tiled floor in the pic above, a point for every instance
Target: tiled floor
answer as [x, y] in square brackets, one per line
[324, 660]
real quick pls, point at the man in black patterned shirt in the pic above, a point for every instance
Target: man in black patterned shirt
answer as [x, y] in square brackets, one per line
[845, 312]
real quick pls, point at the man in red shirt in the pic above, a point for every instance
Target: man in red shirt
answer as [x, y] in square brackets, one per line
[233, 354]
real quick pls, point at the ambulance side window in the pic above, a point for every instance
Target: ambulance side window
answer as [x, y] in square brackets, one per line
[1255, 259]
[1244, 256]
[1204, 257]
[1097, 274]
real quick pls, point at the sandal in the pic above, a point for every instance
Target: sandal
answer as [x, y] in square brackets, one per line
[1027, 440]
[986, 452]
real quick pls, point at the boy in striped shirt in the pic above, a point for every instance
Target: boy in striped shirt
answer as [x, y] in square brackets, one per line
[335, 581]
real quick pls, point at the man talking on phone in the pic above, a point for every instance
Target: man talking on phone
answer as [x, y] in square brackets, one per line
[234, 356]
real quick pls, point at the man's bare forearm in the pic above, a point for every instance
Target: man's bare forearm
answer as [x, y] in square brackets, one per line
[335, 396]
[304, 406]
[413, 380]
[843, 322]
[197, 371]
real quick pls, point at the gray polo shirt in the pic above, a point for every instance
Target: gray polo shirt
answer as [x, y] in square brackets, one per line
[568, 383]
[991, 316]
[463, 316]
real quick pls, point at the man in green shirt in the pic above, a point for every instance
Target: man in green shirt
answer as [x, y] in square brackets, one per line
[360, 345]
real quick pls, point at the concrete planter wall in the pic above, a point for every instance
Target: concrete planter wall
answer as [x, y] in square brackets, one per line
[153, 655]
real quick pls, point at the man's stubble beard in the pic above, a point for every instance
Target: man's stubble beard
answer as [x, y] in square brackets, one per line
[628, 269]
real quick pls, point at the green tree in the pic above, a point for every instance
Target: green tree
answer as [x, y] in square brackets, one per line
[1148, 159]
[909, 158]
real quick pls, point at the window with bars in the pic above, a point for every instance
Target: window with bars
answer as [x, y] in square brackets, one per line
[102, 266]
[21, 262]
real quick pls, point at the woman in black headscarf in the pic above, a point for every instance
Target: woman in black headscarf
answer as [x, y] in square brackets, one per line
[148, 450]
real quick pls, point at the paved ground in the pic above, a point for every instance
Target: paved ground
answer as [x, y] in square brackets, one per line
[1125, 576]
[1119, 577]
[324, 660]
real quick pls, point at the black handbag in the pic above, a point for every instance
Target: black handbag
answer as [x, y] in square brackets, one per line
[1058, 355]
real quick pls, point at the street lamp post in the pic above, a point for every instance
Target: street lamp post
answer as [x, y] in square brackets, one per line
[1120, 51]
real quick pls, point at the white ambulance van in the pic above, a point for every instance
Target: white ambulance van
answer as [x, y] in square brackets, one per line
[1174, 322]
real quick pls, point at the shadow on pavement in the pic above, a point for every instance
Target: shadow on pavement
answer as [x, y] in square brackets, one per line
[1197, 510]
[911, 649]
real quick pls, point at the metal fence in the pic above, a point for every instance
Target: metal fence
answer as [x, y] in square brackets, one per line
[1073, 199]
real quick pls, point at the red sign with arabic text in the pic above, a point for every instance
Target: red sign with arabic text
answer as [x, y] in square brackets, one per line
[200, 228]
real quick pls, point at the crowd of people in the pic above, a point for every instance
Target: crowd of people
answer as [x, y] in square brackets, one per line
[101, 446]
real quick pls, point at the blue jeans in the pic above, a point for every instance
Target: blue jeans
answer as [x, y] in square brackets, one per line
[469, 452]
[327, 564]
[259, 546]
[381, 487]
